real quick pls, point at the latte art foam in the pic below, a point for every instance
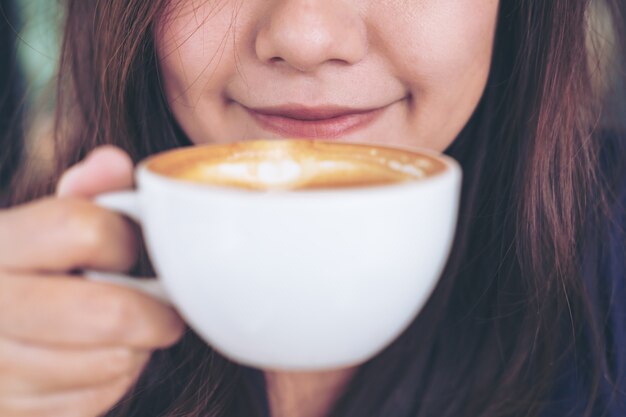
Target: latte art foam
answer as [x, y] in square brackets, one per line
[295, 165]
[267, 174]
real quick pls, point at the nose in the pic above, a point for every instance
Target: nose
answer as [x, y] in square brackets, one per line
[305, 34]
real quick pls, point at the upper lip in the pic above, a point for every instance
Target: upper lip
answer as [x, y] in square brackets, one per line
[300, 112]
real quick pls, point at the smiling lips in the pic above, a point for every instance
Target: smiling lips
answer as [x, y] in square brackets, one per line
[314, 122]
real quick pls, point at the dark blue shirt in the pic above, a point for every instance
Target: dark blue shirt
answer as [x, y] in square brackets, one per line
[604, 271]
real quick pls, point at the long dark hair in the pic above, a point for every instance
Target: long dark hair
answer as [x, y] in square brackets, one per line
[513, 302]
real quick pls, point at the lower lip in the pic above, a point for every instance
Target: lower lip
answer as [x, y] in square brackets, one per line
[325, 128]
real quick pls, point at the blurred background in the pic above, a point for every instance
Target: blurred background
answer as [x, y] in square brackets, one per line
[29, 47]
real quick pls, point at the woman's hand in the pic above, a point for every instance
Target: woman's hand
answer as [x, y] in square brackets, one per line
[71, 347]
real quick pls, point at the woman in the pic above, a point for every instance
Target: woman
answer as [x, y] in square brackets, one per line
[529, 316]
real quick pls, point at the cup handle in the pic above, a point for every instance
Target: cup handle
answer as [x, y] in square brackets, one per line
[127, 203]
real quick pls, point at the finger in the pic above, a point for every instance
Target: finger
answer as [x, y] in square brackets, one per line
[105, 169]
[72, 312]
[27, 369]
[65, 234]
[87, 402]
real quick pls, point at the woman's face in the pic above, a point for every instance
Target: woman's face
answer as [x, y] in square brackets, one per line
[397, 72]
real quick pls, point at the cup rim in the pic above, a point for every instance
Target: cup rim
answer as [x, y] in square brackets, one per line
[453, 169]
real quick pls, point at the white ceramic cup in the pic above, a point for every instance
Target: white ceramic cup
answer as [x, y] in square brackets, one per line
[294, 280]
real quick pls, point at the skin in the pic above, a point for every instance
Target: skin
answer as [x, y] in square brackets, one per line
[427, 60]
[69, 347]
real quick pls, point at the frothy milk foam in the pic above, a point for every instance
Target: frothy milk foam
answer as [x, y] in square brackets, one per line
[274, 174]
[296, 164]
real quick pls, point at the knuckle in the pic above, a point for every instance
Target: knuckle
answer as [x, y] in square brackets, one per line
[120, 362]
[84, 223]
[112, 316]
[98, 236]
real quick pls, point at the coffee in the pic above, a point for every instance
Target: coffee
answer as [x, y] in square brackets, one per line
[295, 165]
[269, 278]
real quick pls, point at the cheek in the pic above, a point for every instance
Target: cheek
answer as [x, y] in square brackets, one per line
[194, 46]
[440, 41]
[441, 51]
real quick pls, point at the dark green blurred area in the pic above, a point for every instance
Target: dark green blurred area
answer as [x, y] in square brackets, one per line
[37, 24]
[11, 94]
[29, 49]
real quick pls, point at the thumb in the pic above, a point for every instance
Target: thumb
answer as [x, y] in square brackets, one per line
[105, 169]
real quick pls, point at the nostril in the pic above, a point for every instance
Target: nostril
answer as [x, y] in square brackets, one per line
[304, 35]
